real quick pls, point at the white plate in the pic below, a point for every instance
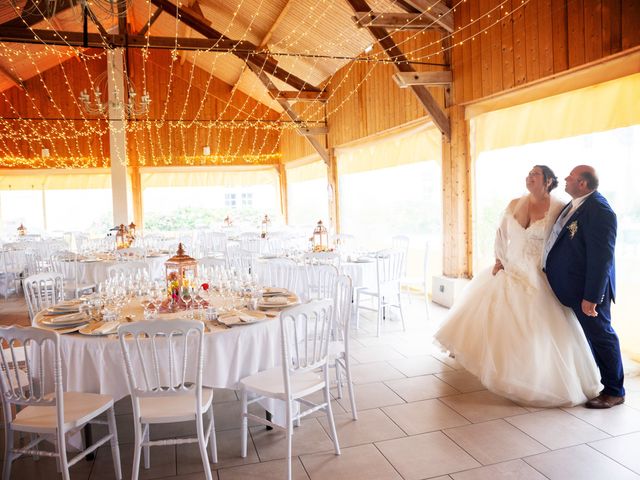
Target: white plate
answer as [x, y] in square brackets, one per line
[64, 320]
[275, 292]
[64, 330]
[266, 305]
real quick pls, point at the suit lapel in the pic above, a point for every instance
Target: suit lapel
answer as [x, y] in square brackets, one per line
[575, 215]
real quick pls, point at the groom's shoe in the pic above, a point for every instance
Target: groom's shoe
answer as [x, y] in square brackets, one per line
[604, 401]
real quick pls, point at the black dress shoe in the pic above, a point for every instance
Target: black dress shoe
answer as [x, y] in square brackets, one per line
[604, 401]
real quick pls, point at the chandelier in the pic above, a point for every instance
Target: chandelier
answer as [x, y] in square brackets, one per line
[93, 104]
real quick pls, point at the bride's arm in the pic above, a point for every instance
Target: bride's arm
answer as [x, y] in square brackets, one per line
[502, 239]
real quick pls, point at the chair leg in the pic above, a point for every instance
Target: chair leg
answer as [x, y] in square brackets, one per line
[380, 314]
[289, 439]
[115, 450]
[352, 396]
[147, 459]
[213, 445]
[244, 426]
[357, 309]
[202, 445]
[404, 328]
[426, 303]
[137, 450]
[338, 378]
[329, 412]
[8, 455]
[62, 452]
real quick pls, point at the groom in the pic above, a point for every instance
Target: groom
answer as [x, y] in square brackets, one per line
[579, 262]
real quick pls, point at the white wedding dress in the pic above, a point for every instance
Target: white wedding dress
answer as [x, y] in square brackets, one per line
[511, 331]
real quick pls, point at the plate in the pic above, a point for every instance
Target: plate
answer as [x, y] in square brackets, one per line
[275, 292]
[363, 260]
[64, 330]
[242, 318]
[90, 329]
[268, 257]
[275, 302]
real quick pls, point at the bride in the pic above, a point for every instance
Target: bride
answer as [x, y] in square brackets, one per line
[508, 328]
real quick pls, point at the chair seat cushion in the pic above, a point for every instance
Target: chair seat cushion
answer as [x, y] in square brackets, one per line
[271, 383]
[173, 408]
[79, 408]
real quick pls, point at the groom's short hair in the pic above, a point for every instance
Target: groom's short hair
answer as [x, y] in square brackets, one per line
[591, 178]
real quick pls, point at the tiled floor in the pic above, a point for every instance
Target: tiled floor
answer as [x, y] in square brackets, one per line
[420, 416]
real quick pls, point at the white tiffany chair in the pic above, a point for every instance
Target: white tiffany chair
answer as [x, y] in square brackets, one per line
[66, 263]
[43, 290]
[45, 414]
[305, 331]
[339, 346]
[321, 281]
[242, 261]
[126, 269]
[163, 360]
[409, 283]
[389, 265]
[281, 273]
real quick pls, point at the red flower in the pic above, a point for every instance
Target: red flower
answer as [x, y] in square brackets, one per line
[205, 286]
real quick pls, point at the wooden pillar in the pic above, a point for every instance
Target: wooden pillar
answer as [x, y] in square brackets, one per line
[333, 193]
[284, 197]
[117, 136]
[136, 195]
[457, 197]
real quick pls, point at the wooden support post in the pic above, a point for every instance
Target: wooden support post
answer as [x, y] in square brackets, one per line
[457, 198]
[284, 197]
[136, 196]
[334, 193]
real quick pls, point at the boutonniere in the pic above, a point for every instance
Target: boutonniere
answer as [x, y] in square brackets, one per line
[573, 228]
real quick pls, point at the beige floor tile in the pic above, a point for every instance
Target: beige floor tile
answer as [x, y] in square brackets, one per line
[369, 395]
[375, 354]
[514, 469]
[45, 469]
[556, 428]
[421, 388]
[274, 470]
[228, 453]
[461, 380]
[579, 462]
[221, 395]
[414, 366]
[632, 399]
[374, 372]
[371, 426]
[624, 449]
[424, 416]
[632, 384]
[163, 463]
[310, 437]
[615, 421]
[356, 463]
[494, 441]
[227, 415]
[482, 406]
[427, 455]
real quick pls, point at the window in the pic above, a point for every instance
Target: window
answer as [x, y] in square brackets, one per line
[230, 200]
[247, 199]
[307, 194]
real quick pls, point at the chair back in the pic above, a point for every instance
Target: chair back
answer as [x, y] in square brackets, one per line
[342, 305]
[125, 269]
[321, 281]
[163, 358]
[389, 265]
[43, 290]
[401, 244]
[281, 273]
[250, 241]
[243, 261]
[40, 349]
[306, 332]
[328, 258]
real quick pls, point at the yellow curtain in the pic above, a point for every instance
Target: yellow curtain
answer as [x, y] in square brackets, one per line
[55, 179]
[416, 144]
[313, 169]
[196, 177]
[605, 106]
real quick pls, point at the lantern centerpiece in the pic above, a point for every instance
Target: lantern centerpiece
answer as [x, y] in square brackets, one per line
[181, 270]
[124, 236]
[228, 221]
[264, 229]
[320, 238]
[22, 230]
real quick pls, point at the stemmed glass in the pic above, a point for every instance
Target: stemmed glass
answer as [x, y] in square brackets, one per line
[186, 295]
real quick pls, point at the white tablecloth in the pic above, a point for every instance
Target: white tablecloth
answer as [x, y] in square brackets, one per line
[95, 271]
[363, 274]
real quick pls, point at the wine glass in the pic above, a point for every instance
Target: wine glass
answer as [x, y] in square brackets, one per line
[186, 295]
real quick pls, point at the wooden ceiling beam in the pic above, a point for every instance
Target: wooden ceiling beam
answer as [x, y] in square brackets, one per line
[249, 55]
[438, 78]
[401, 21]
[34, 15]
[275, 24]
[302, 96]
[400, 62]
[436, 10]
[4, 71]
[315, 143]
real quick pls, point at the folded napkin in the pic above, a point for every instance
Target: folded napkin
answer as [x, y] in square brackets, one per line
[275, 301]
[237, 316]
[72, 317]
[106, 328]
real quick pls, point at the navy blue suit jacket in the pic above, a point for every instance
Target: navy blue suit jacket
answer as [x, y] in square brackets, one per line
[581, 264]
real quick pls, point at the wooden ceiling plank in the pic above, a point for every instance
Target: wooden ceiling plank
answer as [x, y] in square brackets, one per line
[143, 31]
[401, 21]
[301, 96]
[401, 64]
[11, 76]
[275, 24]
[95, 20]
[436, 10]
[249, 55]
